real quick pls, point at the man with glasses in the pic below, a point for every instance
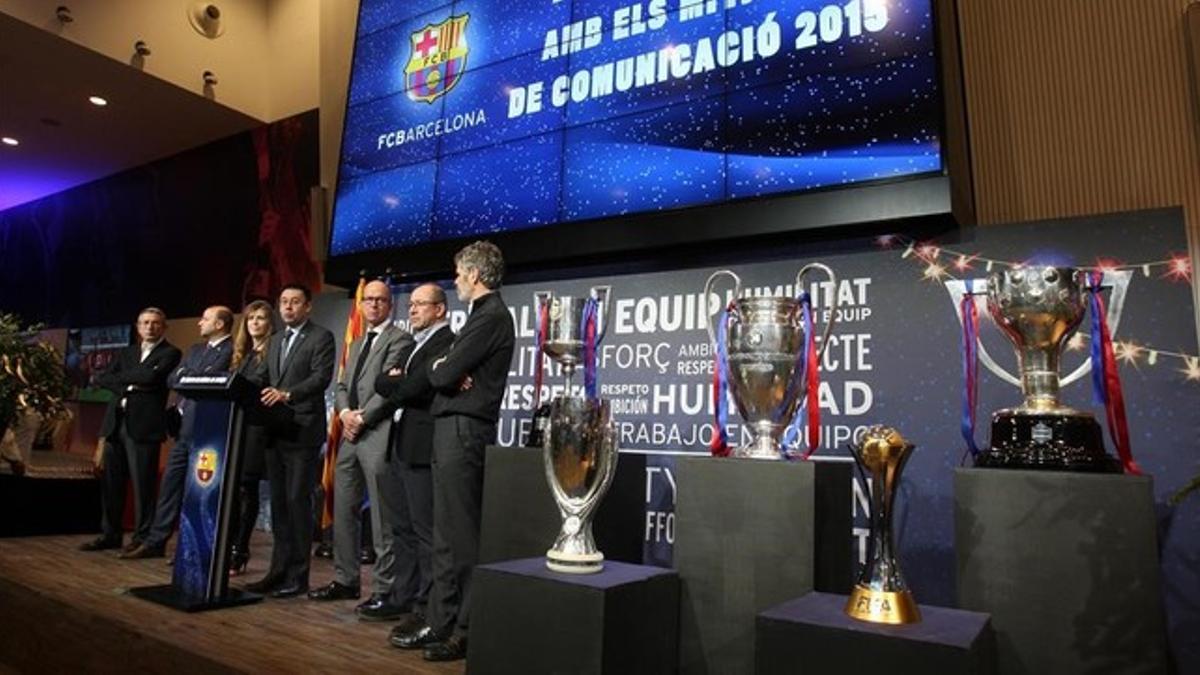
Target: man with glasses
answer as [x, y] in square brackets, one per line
[362, 455]
[408, 486]
[469, 380]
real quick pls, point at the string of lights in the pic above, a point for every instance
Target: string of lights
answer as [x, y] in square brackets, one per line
[946, 263]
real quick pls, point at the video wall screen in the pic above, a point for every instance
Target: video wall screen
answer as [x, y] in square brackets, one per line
[487, 116]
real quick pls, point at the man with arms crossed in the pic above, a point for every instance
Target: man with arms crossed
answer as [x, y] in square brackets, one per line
[408, 485]
[135, 425]
[300, 367]
[362, 456]
[469, 381]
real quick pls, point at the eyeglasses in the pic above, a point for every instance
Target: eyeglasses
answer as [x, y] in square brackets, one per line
[377, 301]
[422, 303]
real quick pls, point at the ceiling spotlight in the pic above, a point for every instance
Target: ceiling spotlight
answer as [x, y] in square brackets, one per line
[98, 101]
[205, 18]
[9, 140]
[141, 48]
[210, 78]
[64, 14]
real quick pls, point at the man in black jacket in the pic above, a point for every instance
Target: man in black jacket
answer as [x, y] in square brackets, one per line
[300, 364]
[469, 381]
[134, 426]
[407, 486]
[210, 356]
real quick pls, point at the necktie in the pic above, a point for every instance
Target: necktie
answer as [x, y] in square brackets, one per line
[358, 368]
[287, 346]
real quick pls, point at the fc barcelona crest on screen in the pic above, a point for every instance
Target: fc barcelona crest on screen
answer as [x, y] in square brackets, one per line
[206, 467]
[439, 57]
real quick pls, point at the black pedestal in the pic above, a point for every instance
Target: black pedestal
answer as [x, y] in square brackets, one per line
[744, 541]
[527, 619]
[1066, 564]
[812, 634]
[521, 520]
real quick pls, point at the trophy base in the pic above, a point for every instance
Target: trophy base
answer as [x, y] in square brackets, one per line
[567, 563]
[1047, 441]
[888, 607]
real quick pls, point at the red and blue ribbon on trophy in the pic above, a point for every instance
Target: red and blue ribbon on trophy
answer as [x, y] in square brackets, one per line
[1106, 380]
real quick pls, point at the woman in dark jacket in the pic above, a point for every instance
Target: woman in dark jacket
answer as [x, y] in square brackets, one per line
[250, 361]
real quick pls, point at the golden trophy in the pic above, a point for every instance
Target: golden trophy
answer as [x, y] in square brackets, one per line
[881, 594]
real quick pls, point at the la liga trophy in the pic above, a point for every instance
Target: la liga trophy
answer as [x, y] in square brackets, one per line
[580, 441]
[1038, 308]
[881, 595]
[767, 358]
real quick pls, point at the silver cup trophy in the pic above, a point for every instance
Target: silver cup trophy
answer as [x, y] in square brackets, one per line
[580, 457]
[564, 338]
[580, 440]
[1039, 308]
[765, 338]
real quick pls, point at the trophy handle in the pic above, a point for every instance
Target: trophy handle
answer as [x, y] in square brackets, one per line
[833, 310]
[708, 285]
[977, 287]
[1119, 281]
[603, 295]
[541, 299]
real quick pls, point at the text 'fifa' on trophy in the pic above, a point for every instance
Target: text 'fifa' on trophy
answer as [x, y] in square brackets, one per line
[881, 595]
[1039, 308]
[580, 440]
[766, 356]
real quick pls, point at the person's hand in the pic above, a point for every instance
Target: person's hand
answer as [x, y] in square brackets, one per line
[272, 396]
[395, 372]
[466, 383]
[352, 423]
[98, 459]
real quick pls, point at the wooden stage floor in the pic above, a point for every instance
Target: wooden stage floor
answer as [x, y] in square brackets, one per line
[63, 610]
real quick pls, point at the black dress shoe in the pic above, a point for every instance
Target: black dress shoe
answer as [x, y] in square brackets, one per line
[452, 648]
[142, 551]
[408, 623]
[131, 546]
[377, 608]
[334, 591]
[265, 584]
[323, 550]
[100, 544]
[422, 636]
[289, 591]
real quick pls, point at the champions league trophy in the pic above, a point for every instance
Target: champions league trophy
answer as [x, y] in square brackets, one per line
[580, 446]
[1038, 308]
[767, 357]
[881, 594]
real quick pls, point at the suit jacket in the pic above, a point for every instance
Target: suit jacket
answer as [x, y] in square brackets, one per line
[483, 350]
[412, 391]
[145, 411]
[306, 375]
[385, 354]
[199, 360]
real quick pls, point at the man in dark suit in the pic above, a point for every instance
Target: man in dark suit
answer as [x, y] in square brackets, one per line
[408, 485]
[134, 427]
[362, 455]
[209, 356]
[300, 363]
[469, 380]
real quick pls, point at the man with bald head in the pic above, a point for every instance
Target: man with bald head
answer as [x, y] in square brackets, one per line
[362, 455]
[210, 355]
[408, 487]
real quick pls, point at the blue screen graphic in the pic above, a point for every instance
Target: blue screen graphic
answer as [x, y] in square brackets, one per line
[483, 116]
